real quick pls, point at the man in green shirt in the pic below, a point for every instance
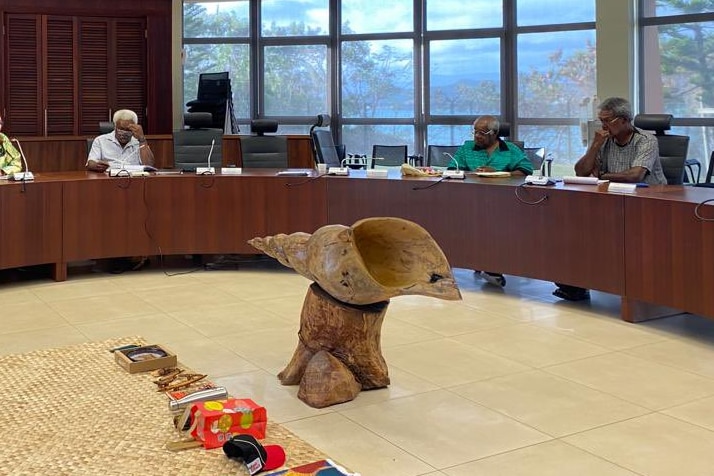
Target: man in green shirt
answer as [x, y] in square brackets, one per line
[489, 153]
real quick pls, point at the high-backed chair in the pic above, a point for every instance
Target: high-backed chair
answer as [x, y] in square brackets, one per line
[326, 150]
[192, 145]
[504, 132]
[708, 177]
[436, 155]
[105, 127]
[672, 148]
[390, 155]
[261, 151]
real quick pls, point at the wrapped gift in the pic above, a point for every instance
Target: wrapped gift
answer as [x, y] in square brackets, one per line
[215, 421]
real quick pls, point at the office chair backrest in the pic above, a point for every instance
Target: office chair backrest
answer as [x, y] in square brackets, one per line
[435, 155]
[261, 151]
[213, 86]
[504, 132]
[105, 127]
[325, 148]
[391, 155]
[193, 144]
[673, 149]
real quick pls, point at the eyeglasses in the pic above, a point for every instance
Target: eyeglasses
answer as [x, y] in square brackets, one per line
[608, 121]
[482, 133]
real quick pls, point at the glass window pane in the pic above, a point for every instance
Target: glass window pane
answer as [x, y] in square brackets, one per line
[377, 16]
[217, 58]
[701, 143]
[377, 79]
[679, 59]
[659, 8]
[296, 80]
[556, 71]
[359, 139]
[216, 19]
[295, 18]
[555, 12]
[455, 89]
[562, 143]
[449, 135]
[481, 14]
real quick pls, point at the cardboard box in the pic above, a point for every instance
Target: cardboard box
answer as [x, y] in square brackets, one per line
[214, 422]
[145, 358]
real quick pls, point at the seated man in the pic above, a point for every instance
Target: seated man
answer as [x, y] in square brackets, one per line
[621, 153]
[9, 156]
[489, 153]
[125, 145]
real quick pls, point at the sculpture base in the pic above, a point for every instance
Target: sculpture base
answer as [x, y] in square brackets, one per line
[339, 351]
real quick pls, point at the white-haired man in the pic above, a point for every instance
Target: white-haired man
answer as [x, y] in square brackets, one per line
[125, 145]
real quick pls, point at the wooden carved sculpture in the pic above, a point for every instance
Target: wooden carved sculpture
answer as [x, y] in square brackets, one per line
[356, 270]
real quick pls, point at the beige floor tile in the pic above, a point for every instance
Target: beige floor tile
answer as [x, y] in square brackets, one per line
[552, 458]
[652, 445]
[77, 289]
[698, 412]
[451, 319]
[287, 308]
[280, 401]
[102, 308]
[444, 429]
[685, 355]
[402, 384]
[270, 350]
[531, 345]
[447, 362]
[230, 318]
[357, 448]
[28, 341]
[30, 315]
[397, 332]
[155, 328]
[644, 383]
[204, 356]
[606, 332]
[17, 294]
[177, 298]
[548, 403]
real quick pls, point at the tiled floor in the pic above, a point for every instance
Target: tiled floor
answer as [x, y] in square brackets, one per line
[506, 382]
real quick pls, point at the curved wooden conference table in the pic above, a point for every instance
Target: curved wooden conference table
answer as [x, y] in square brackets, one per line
[648, 247]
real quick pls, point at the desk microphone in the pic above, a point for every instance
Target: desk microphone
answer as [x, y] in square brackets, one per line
[207, 170]
[453, 174]
[122, 171]
[26, 175]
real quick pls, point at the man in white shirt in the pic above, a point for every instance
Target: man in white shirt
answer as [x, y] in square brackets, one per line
[125, 145]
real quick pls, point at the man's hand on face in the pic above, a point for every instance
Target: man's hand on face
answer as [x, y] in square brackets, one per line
[137, 131]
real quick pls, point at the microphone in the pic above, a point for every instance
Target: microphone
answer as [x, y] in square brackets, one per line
[207, 170]
[452, 174]
[26, 175]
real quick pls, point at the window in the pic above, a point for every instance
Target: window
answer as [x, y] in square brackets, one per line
[405, 71]
[677, 52]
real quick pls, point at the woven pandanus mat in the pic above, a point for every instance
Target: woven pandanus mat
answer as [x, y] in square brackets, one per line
[74, 411]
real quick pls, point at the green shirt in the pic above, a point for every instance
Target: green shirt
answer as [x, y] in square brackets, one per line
[506, 157]
[9, 156]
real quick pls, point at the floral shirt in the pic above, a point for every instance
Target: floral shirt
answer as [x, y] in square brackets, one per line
[9, 157]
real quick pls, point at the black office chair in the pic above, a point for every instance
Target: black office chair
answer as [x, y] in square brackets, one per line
[105, 127]
[708, 177]
[261, 151]
[435, 155]
[192, 145]
[390, 155]
[325, 149]
[504, 132]
[672, 148]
